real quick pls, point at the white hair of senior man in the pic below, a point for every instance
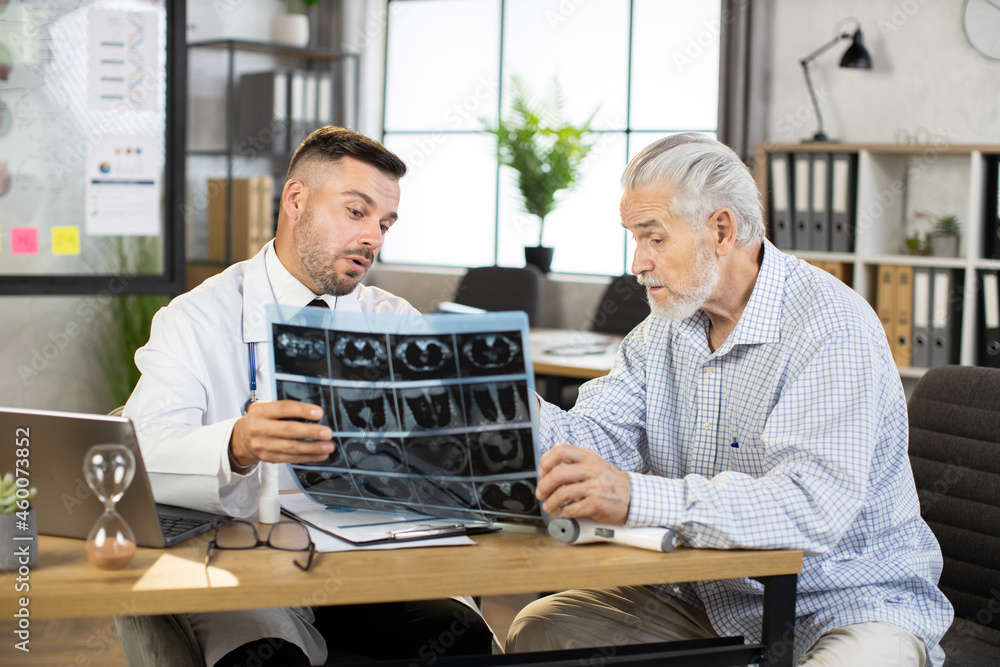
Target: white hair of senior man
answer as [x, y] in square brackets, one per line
[705, 175]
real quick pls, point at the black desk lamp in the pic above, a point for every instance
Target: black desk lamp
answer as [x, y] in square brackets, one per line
[856, 57]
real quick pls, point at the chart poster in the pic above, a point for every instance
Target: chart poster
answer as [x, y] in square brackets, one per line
[432, 414]
[123, 186]
[123, 53]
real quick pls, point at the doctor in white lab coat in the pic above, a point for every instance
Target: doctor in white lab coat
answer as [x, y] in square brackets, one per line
[201, 451]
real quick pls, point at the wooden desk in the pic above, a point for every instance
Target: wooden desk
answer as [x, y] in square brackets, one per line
[576, 366]
[554, 369]
[64, 585]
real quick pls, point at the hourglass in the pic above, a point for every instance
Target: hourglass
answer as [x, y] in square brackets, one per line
[109, 470]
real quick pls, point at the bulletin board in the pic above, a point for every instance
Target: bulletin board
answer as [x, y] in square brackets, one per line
[91, 146]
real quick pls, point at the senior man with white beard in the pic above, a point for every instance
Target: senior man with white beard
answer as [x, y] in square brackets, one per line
[758, 407]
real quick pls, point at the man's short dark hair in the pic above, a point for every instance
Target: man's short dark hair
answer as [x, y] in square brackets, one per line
[332, 143]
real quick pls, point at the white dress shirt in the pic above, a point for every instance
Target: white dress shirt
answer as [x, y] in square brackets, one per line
[195, 382]
[195, 378]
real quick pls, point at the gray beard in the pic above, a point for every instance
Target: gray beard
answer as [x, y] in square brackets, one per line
[682, 306]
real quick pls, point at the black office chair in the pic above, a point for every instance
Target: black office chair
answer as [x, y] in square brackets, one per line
[496, 288]
[954, 415]
[622, 306]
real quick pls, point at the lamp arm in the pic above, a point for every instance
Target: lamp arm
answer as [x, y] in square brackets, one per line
[805, 62]
[812, 95]
[812, 56]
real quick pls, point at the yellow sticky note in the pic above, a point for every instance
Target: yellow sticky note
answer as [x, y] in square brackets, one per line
[65, 240]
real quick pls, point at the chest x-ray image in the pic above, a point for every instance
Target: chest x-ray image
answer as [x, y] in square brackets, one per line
[301, 351]
[431, 414]
[423, 357]
[359, 356]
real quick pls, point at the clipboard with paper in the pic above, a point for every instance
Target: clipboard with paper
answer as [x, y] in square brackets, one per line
[364, 527]
[434, 418]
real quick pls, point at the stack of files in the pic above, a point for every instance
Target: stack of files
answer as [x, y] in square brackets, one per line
[252, 221]
[894, 305]
[937, 316]
[813, 201]
[278, 109]
[310, 97]
[989, 318]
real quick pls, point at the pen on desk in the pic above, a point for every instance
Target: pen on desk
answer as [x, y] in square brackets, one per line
[427, 531]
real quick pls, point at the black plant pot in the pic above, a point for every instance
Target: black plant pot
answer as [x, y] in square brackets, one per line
[540, 256]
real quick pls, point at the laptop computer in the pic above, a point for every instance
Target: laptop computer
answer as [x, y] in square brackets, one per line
[64, 505]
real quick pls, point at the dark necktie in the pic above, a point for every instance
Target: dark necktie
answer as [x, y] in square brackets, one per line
[318, 303]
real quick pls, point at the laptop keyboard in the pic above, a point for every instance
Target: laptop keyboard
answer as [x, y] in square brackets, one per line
[173, 525]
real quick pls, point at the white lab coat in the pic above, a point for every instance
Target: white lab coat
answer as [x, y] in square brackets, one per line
[195, 381]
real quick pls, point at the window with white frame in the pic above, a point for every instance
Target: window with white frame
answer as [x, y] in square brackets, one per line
[649, 67]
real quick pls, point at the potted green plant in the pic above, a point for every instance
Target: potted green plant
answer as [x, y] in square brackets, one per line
[918, 243]
[947, 231]
[943, 235]
[545, 151]
[18, 532]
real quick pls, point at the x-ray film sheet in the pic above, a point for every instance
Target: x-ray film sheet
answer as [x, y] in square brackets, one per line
[431, 414]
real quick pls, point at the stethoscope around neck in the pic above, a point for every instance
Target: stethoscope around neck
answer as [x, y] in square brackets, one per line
[252, 351]
[252, 346]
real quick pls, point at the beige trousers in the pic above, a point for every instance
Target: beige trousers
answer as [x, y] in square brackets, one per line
[642, 615]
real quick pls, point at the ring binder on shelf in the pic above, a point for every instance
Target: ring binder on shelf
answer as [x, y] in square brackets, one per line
[820, 201]
[803, 234]
[991, 209]
[781, 201]
[946, 317]
[263, 112]
[921, 337]
[902, 348]
[989, 351]
[843, 201]
[885, 302]
[298, 120]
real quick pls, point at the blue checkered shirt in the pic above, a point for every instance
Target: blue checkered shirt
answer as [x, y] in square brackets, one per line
[793, 434]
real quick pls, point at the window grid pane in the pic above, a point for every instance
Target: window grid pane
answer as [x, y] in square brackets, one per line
[675, 65]
[436, 104]
[447, 203]
[440, 75]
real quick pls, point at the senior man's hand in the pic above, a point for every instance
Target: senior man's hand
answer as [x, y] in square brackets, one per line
[579, 483]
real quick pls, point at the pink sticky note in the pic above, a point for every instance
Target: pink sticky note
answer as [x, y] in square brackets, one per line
[24, 240]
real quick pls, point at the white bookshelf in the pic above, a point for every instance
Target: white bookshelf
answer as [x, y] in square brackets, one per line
[893, 183]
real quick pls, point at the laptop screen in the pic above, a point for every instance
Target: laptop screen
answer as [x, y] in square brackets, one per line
[54, 447]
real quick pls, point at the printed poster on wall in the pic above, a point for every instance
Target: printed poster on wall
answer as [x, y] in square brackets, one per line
[123, 186]
[123, 52]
